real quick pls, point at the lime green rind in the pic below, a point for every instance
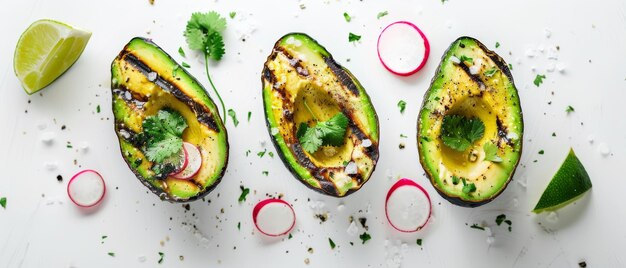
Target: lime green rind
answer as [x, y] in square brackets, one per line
[569, 184]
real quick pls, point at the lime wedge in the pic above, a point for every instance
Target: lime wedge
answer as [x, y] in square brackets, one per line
[569, 183]
[45, 51]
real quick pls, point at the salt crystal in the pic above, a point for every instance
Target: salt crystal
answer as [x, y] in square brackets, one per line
[351, 168]
[490, 240]
[366, 143]
[455, 59]
[604, 149]
[590, 139]
[551, 67]
[51, 166]
[274, 131]
[521, 181]
[152, 76]
[552, 217]
[141, 258]
[47, 137]
[353, 230]
[341, 207]
[547, 33]
[560, 67]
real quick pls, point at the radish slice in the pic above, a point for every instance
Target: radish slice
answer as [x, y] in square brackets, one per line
[273, 217]
[193, 162]
[402, 48]
[185, 158]
[86, 188]
[407, 206]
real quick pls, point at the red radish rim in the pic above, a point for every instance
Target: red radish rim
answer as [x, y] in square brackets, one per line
[407, 182]
[261, 204]
[104, 188]
[426, 49]
[177, 175]
[184, 163]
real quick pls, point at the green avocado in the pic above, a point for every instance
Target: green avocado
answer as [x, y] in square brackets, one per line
[471, 82]
[303, 84]
[146, 80]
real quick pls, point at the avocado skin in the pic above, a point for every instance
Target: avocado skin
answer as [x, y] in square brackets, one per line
[352, 84]
[216, 124]
[504, 68]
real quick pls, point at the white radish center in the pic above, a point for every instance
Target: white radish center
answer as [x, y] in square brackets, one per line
[408, 208]
[275, 218]
[401, 48]
[194, 161]
[87, 188]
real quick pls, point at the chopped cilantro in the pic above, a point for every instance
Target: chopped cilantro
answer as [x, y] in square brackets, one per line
[332, 244]
[553, 134]
[248, 152]
[249, 115]
[419, 241]
[271, 154]
[347, 17]
[244, 192]
[161, 255]
[510, 67]
[467, 59]
[490, 72]
[232, 14]
[112, 254]
[402, 106]
[459, 132]
[476, 226]
[468, 187]
[261, 153]
[365, 237]
[455, 180]
[3, 202]
[204, 32]
[239, 226]
[98, 108]
[569, 109]
[181, 52]
[185, 65]
[539, 79]
[491, 152]
[233, 115]
[500, 218]
[403, 136]
[541, 151]
[381, 14]
[290, 236]
[353, 37]
[329, 132]
[497, 44]
[265, 172]
[103, 237]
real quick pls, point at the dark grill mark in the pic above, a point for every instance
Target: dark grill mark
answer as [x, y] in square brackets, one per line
[295, 63]
[344, 77]
[502, 132]
[475, 78]
[203, 115]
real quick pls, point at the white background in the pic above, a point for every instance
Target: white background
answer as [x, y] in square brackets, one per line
[41, 228]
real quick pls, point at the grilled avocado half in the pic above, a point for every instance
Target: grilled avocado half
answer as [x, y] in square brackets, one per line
[299, 73]
[474, 82]
[145, 80]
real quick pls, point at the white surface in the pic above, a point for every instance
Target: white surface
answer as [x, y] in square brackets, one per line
[41, 228]
[275, 218]
[408, 208]
[401, 47]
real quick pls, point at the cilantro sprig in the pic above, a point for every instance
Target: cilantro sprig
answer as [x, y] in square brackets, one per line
[491, 152]
[330, 132]
[204, 33]
[459, 132]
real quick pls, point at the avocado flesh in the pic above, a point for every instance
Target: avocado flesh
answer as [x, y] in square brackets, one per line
[136, 97]
[494, 100]
[299, 70]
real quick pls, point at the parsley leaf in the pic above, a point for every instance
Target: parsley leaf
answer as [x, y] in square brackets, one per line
[402, 106]
[459, 132]
[490, 72]
[203, 32]
[233, 115]
[347, 17]
[353, 37]
[464, 58]
[365, 237]
[382, 14]
[244, 192]
[164, 143]
[329, 132]
[491, 152]
[569, 109]
[332, 244]
[539, 79]
[3, 202]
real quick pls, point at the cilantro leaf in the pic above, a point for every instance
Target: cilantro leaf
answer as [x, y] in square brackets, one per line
[347, 17]
[459, 132]
[476, 226]
[468, 187]
[249, 115]
[232, 14]
[419, 241]
[382, 14]
[455, 180]
[402, 106]
[490, 72]
[331, 132]
[539, 79]
[3, 202]
[365, 237]
[186, 65]
[181, 52]
[332, 243]
[204, 32]
[491, 152]
[233, 115]
[569, 109]
[244, 192]
[464, 58]
[497, 44]
[500, 218]
[161, 255]
[353, 37]
[112, 254]
[164, 131]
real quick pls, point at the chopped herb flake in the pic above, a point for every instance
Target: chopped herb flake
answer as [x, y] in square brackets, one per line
[232, 14]
[161, 255]
[500, 218]
[233, 115]
[490, 72]
[353, 37]
[491, 152]
[3, 202]
[419, 241]
[476, 226]
[467, 59]
[185, 65]
[249, 115]
[98, 108]
[365, 237]
[569, 109]
[539, 79]
[244, 193]
[265, 172]
[541, 151]
[239, 226]
[402, 106]
[181, 52]
[381, 14]
[112, 254]
[347, 17]
[468, 187]
[332, 244]
[497, 44]
[261, 153]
